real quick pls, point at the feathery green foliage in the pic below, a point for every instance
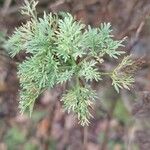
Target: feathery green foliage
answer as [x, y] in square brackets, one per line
[121, 78]
[62, 50]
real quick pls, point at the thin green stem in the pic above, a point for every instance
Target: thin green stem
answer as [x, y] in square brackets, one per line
[106, 73]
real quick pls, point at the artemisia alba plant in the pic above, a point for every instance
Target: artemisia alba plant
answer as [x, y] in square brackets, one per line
[62, 50]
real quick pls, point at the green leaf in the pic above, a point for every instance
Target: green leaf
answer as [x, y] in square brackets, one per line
[79, 100]
[89, 71]
[70, 38]
[62, 50]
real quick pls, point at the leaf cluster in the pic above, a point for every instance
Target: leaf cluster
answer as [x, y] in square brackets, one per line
[62, 50]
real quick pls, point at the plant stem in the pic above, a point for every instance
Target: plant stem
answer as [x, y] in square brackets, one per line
[106, 73]
[107, 129]
[85, 137]
[51, 115]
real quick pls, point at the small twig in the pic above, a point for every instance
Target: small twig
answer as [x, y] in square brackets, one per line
[136, 37]
[131, 138]
[50, 117]
[129, 20]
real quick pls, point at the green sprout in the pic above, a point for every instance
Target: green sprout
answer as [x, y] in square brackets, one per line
[62, 50]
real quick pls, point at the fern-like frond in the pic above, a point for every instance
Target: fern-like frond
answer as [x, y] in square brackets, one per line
[62, 50]
[89, 71]
[29, 8]
[79, 101]
[121, 78]
[100, 41]
[70, 38]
